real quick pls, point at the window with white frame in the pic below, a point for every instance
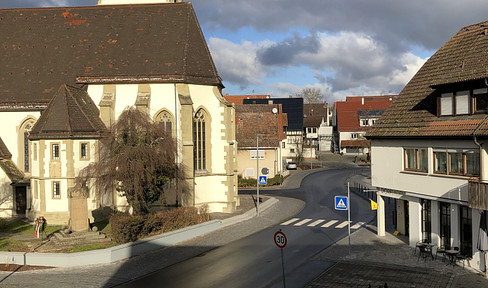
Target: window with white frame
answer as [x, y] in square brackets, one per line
[416, 159]
[55, 151]
[365, 122]
[253, 154]
[56, 190]
[84, 151]
[354, 135]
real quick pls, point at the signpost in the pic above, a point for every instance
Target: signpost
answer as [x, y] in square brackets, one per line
[342, 203]
[280, 241]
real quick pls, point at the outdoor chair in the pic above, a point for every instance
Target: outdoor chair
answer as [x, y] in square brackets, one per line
[441, 250]
[425, 252]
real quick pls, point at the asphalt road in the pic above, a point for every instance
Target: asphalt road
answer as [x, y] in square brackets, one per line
[255, 261]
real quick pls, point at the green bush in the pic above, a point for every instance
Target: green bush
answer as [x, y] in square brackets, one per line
[127, 228]
[276, 180]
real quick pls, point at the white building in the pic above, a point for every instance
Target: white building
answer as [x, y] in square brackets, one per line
[429, 149]
[153, 57]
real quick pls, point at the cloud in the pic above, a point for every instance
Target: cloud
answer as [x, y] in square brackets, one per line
[396, 24]
[236, 63]
[346, 61]
[284, 52]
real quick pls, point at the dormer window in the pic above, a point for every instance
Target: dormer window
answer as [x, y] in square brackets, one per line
[455, 103]
[481, 99]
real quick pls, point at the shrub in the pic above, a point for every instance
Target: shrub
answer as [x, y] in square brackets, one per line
[128, 228]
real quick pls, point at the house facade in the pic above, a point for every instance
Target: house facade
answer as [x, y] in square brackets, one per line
[429, 150]
[150, 56]
[352, 118]
[259, 133]
[317, 131]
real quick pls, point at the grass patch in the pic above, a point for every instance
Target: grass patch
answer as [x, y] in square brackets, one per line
[7, 244]
[21, 227]
[90, 247]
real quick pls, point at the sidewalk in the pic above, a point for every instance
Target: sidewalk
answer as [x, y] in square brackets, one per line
[378, 260]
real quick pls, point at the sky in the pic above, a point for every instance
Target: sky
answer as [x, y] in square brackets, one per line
[342, 47]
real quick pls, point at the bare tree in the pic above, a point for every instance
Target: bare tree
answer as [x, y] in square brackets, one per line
[311, 95]
[137, 157]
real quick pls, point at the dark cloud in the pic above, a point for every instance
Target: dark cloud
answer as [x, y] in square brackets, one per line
[284, 52]
[398, 24]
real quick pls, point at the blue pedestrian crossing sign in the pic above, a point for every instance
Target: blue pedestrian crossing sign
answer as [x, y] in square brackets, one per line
[341, 203]
[263, 180]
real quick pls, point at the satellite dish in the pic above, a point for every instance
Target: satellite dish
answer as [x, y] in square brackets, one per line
[274, 110]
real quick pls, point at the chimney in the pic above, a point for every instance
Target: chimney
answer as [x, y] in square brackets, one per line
[362, 100]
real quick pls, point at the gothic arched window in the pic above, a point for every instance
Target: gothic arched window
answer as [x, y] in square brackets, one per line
[165, 120]
[25, 127]
[199, 140]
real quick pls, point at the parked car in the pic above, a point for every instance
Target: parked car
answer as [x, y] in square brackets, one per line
[291, 166]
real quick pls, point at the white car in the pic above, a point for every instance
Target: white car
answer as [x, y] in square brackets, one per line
[291, 166]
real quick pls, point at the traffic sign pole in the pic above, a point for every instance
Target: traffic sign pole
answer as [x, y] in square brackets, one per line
[280, 241]
[349, 215]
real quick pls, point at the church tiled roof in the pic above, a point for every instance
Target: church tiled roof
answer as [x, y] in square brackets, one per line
[460, 61]
[4, 152]
[70, 114]
[43, 48]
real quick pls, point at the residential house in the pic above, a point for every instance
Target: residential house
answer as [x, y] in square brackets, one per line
[352, 118]
[317, 131]
[259, 124]
[66, 75]
[429, 149]
[292, 147]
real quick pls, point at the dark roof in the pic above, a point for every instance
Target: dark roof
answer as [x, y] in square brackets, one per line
[70, 114]
[238, 99]
[43, 48]
[370, 113]
[463, 60]
[258, 118]
[293, 107]
[315, 109]
[4, 152]
[313, 121]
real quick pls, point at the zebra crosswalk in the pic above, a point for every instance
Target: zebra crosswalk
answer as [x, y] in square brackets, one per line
[319, 223]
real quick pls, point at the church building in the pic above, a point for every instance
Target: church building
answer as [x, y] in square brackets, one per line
[67, 73]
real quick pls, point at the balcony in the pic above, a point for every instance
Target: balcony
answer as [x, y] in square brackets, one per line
[477, 194]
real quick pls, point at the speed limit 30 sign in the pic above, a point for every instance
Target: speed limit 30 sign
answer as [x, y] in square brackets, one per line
[280, 239]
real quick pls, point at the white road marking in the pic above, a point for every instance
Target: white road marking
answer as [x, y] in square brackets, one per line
[302, 222]
[330, 223]
[357, 225]
[290, 221]
[313, 224]
[342, 225]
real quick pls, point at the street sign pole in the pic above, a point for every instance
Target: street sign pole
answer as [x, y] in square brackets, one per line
[280, 241]
[349, 215]
[257, 172]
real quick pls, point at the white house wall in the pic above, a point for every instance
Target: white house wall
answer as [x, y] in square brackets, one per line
[387, 169]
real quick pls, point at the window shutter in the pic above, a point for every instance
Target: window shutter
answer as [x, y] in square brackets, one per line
[462, 102]
[446, 104]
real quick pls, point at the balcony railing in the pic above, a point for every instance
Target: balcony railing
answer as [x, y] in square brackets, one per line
[478, 194]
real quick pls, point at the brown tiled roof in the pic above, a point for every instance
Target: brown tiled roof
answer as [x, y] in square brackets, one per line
[43, 48]
[463, 58]
[258, 118]
[313, 121]
[70, 114]
[315, 109]
[355, 143]
[347, 112]
[4, 152]
[12, 171]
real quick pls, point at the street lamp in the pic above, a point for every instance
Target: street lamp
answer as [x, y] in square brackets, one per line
[257, 172]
